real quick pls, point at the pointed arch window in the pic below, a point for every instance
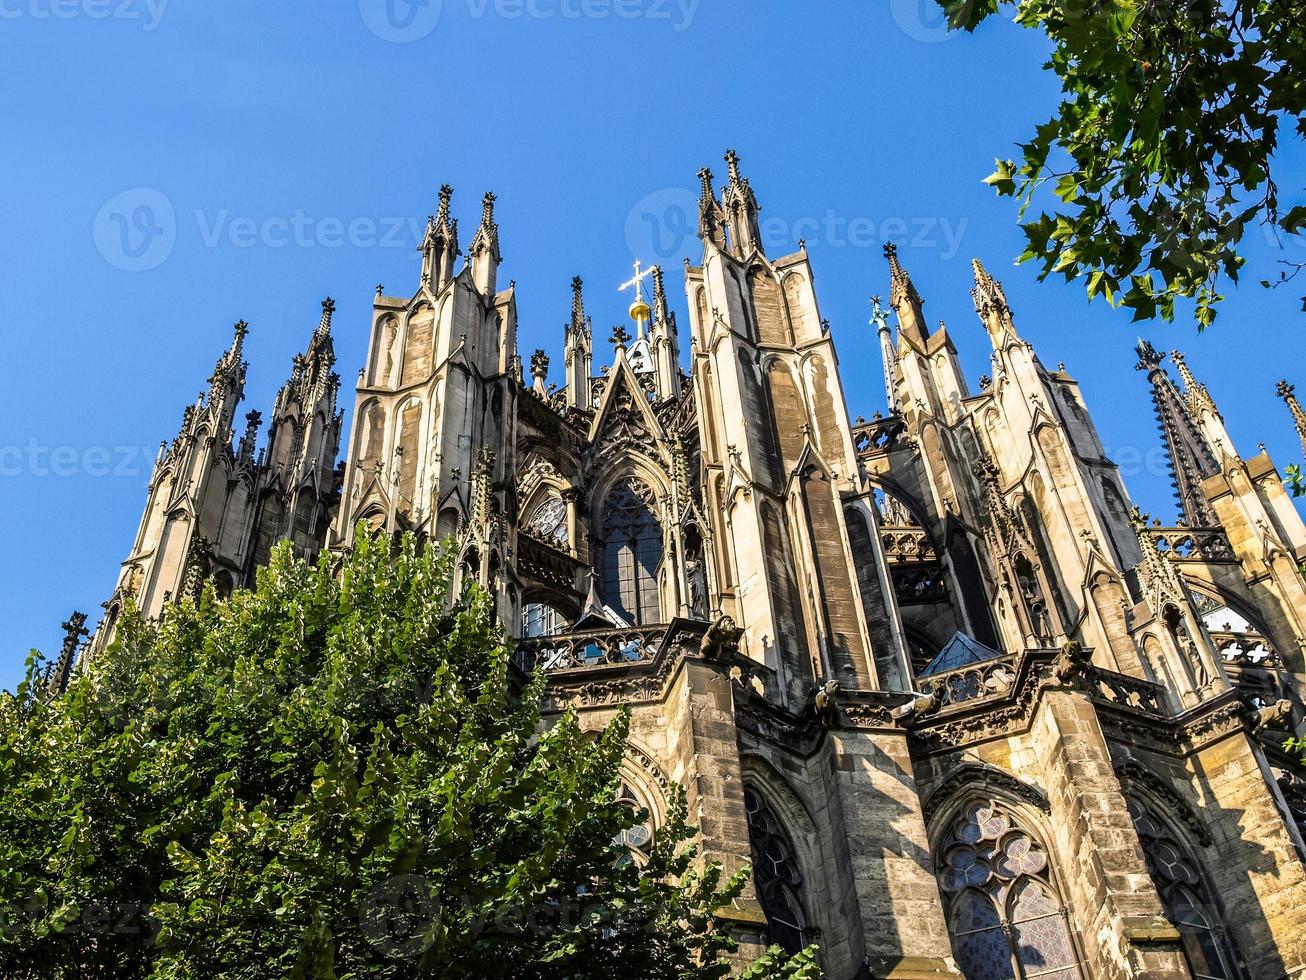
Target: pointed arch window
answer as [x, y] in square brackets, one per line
[776, 876]
[1004, 912]
[548, 521]
[1182, 892]
[632, 552]
[638, 839]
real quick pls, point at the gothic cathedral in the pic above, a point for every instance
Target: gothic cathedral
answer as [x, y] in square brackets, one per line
[964, 710]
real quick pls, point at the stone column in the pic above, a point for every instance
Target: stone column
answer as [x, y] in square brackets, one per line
[1112, 902]
[703, 750]
[897, 895]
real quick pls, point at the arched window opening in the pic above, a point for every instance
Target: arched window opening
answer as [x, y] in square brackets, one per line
[304, 515]
[547, 521]
[1039, 621]
[638, 838]
[1004, 913]
[541, 619]
[632, 552]
[776, 876]
[1181, 888]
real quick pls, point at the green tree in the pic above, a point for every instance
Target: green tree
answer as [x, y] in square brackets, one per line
[335, 775]
[1161, 151]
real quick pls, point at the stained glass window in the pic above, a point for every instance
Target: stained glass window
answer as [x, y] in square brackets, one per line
[1180, 887]
[1006, 920]
[775, 875]
[548, 521]
[632, 552]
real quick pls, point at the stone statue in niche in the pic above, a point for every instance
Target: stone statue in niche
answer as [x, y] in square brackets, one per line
[697, 580]
[390, 331]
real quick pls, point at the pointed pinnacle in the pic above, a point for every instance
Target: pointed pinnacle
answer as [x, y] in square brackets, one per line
[732, 161]
[328, 308]
[705, 178]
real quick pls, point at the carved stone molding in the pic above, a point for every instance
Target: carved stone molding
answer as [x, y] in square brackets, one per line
[1134, 773]
[974, 775]
[649, 766]
[763, 774]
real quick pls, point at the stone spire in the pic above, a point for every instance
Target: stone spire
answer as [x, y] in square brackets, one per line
[1288, 393]
[578, 349]
[1197, 395]
[664, 341]
[61, 671]
[440, 246]
[905, 300]
[742, 210]
[991, 304]
[711, 218]
[888, 356]
[484, 249]
[1191, 458]
[487, 235]
[328, 309]
[227, 383]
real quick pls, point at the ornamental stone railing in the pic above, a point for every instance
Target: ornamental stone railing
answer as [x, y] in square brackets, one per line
[879, 435]
[906, 543]
[975, 682]
[1131, 692]
[1191, 544]
[593, 648]
[1245, 650]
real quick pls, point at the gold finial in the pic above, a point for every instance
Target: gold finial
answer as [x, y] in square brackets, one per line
[640, 311]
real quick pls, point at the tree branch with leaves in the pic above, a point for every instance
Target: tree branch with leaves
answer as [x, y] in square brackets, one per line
[1162, 150]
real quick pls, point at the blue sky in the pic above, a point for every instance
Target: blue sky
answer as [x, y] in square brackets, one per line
[289, 151]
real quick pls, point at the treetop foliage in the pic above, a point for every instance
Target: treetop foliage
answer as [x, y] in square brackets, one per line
[1161, 151]
[338, 774]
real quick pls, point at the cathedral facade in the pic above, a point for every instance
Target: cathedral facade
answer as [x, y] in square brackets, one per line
[963, 709]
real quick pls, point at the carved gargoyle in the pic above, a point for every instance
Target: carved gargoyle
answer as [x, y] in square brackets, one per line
[721, 639]
[1074, 665]
[917, 706]
[1277, 716]
[825, 702]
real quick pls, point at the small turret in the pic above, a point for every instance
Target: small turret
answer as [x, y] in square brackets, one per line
[711, 218]
[991, 305]
[440, 246]
[578, 342]
[905, 300]
[664, 341]
[484, 250]
[741, 210]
